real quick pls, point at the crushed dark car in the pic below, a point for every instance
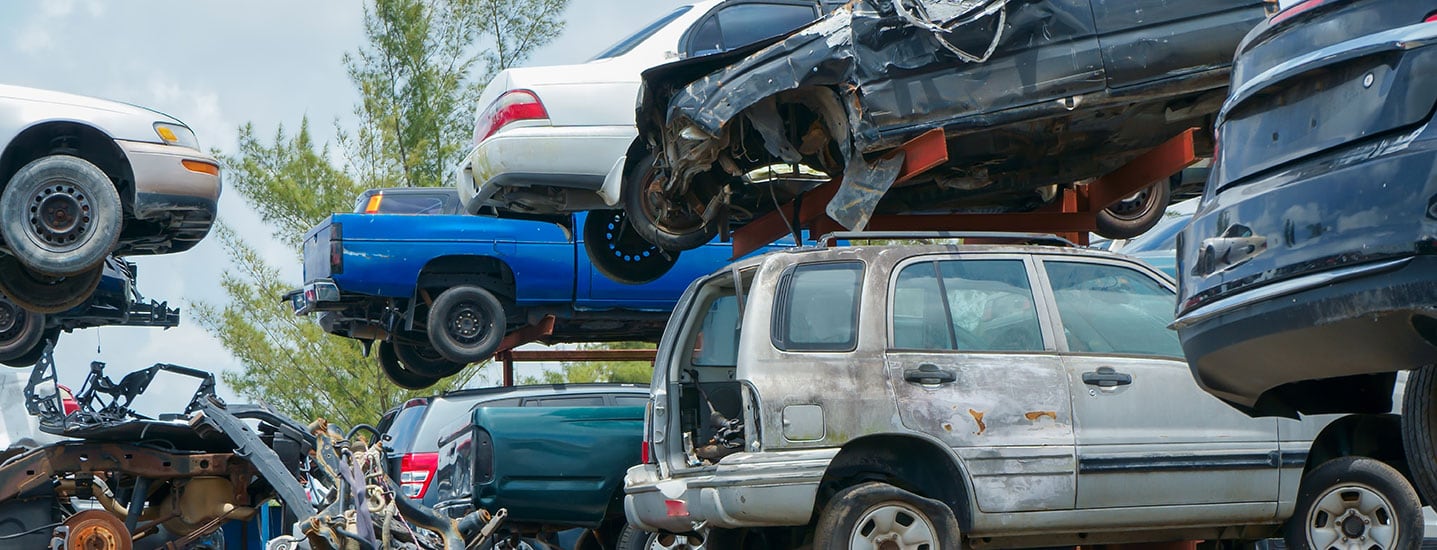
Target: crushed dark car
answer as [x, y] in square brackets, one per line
[1031, 96]
[1306, 275]
[156, 460]
[114, 302]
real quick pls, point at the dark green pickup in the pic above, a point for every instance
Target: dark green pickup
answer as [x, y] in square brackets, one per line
[550, 467]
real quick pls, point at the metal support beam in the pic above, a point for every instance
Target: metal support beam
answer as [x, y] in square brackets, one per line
[1153, 166]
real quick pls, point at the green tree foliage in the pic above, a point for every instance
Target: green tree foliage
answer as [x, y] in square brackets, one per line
[639, 372]
[418, 84]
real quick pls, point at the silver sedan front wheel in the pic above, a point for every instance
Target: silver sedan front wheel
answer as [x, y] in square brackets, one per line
[893, 526]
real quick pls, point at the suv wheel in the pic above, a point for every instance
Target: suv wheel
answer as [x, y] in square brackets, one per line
[61, 215]
[632, 538]
[424, 361]
[1355, 502]
[879, 515]
[466, 325]
[1419, 429]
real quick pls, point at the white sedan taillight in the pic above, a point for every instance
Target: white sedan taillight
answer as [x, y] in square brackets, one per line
[513, 106]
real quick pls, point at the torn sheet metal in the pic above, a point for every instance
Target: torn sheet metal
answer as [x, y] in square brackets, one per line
[863, 186]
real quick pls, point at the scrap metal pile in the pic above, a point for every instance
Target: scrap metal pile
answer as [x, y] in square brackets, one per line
[167, 468]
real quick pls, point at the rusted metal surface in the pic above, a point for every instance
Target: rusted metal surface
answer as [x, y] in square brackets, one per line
[33, 470]
[1155, 165]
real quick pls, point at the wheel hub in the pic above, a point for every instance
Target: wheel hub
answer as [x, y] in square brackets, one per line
[1353, 526]
[893, 526]
[9, 316]
[96, 530]
[1353, 517]
[466, 324]
[59, 215]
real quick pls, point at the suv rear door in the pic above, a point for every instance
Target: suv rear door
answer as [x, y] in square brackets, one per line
[1137, 410]
[971, 363]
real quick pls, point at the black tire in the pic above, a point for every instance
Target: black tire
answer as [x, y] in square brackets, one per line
[466, 324]
[396, 372]
[860, 510]
[61, 215]
[423, 360]
[620, 253]
[1419, 429]
[1135, 214]
[670, 230]
[1330, 499]
[44, 294]
[22, 332]
[633, 538]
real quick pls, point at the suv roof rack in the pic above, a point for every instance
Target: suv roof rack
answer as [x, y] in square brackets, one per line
[998, 236]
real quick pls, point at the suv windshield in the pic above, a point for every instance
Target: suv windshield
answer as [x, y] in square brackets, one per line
[627, 44]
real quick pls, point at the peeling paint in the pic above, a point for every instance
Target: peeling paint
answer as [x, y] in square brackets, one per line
[1034, 416]
[978, 417]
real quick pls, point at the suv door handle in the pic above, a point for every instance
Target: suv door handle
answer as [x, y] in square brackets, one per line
[928, 373]
[1106, 377]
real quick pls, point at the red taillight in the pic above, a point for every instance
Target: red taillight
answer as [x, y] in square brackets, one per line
[514, 105]
[644, 455]
[1431, 17]
[1294, 11]
[336, 249]
[67, 400]
[416, 471]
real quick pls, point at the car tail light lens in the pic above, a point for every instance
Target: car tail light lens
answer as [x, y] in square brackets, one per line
[416, 471]
[644, 454]
[513, 106]
[67, 400]
[336, 249]
[1297, 9]
[372, 207]
[1431, 17]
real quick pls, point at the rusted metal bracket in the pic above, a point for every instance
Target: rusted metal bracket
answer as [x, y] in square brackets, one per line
[1072, 217]
[35, 468]
[536, 332]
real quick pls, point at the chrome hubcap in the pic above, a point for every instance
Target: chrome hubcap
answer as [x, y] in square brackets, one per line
[1352, 517]
[893, 526]
[59, 216]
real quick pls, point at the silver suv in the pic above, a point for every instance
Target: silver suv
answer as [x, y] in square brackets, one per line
[931, 396]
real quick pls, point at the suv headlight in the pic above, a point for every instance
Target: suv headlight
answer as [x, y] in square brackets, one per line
[177, 134]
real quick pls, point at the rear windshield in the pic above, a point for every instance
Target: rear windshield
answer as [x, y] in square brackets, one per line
[406, 203]
[405, 427]
[637, 38]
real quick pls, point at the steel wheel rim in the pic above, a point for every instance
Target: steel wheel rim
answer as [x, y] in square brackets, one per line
[667, 541]
[59, 216]
[893, 526]
[12, 319]
[1352, 516]
[1131, 207]
[467, 324]
[613, 237]
[666, 216]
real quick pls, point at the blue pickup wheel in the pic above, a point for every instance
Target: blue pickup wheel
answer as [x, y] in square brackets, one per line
[424, 360]
[620, 253]
[466, 324]
[396, 372]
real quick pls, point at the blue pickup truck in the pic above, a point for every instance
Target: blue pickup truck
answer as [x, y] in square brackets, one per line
[439, 289]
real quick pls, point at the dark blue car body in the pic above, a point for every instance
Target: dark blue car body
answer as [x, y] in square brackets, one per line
[1306, 275]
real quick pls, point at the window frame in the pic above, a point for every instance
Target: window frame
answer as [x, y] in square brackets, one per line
[685, 42]
[1051, 295]
[778, 325]
[1042, 300]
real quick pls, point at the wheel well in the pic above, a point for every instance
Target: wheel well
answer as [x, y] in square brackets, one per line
[909, 463]
[1377, 436]
[71, 138]
[490, 273]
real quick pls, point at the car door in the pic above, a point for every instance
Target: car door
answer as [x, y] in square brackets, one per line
[1147, 435]
[970, 364]
[737, 24]
[1044, 51]
[1146, 40]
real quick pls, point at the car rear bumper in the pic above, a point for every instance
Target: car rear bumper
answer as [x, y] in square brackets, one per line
[316, 295]
[540, 156]
[1371, 318]
[165, 187]
[744, 490]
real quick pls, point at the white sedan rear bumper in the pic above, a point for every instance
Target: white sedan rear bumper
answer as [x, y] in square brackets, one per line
[575, 157]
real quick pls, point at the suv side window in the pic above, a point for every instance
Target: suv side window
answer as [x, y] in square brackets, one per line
[818, 307]
[1112, 309]
[965, 305]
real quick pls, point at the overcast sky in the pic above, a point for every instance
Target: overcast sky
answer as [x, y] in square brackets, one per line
[215, 66]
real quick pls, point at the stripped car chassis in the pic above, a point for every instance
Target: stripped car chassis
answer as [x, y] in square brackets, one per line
[133, 480]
